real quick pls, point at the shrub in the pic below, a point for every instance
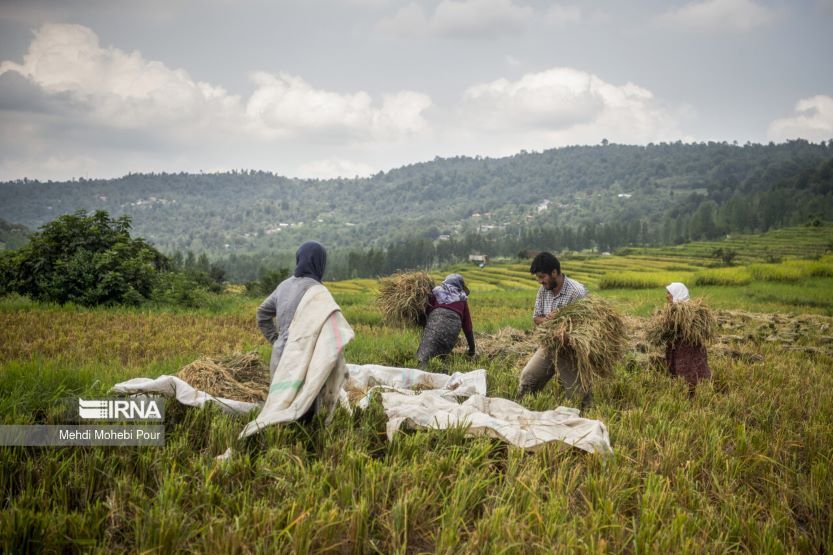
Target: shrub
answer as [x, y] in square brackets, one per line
[7, 272]
[181, 289]
[727, 256]
[88, 260]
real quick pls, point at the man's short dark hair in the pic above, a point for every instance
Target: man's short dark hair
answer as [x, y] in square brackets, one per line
[545, 263]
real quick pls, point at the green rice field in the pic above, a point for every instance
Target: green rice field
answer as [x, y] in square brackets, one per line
[745, 465]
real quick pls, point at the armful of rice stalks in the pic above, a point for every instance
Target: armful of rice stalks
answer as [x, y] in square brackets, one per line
[538, 320]
[691, 322]
[590, 331]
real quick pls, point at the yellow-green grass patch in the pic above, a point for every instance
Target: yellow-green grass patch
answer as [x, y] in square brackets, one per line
[723, 276]
[642, 280]
[775, 272]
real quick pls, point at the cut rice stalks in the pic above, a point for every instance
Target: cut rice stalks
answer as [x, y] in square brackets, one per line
[589, 330]
[239, 376]
[403, 298]
[690, 322]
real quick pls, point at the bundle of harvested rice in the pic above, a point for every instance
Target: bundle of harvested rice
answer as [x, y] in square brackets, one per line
[691, 322]
[239, 376]
[403, 297]
[592, 331]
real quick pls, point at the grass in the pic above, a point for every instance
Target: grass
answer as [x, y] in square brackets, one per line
[746, 465]
[775, 272]
[641, 280]
[792, 242]
[723, 276]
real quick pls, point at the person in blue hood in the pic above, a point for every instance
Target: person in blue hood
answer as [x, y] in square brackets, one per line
[276, 312]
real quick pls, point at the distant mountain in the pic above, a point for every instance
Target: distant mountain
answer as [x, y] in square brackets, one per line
[658, 193]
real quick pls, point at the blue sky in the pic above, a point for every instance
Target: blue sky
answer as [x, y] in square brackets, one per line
[101, 88]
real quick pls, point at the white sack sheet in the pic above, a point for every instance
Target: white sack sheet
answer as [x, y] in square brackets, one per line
[495, 417]
[362, 381]
[182, 391]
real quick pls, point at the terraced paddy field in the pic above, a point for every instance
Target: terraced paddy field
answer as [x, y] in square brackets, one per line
[795, 242]
[745, 465]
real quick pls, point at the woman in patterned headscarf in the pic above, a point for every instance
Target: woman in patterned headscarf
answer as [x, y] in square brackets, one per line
[448, 313]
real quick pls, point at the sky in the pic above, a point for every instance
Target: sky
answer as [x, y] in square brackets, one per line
[315, 88]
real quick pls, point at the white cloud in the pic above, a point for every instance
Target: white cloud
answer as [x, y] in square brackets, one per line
[480, 18]
[460, 19]
[550, 99]
[117, 88]
[813, 121]
[287, 105]
[75, 107]
[719, 15]
[334, 167]
[124, 90]
[567, 106]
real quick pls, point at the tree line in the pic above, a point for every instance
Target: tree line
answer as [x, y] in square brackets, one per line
[675, 191]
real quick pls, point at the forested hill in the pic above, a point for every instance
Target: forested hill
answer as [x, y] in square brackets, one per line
[610, 194]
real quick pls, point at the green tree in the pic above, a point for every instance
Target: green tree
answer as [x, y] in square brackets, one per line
[703, 224]
[87, 259]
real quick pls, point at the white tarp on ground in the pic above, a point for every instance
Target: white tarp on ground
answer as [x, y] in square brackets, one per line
[416, 399]
[362, 381]
[496, 417]
[171, 386]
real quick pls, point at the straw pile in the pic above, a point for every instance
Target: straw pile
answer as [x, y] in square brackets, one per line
[592, 331]
[240, 376]
[506, 341]
[691, 322]
[403, 298]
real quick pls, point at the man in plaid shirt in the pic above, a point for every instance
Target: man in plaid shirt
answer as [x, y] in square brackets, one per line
[557, 290]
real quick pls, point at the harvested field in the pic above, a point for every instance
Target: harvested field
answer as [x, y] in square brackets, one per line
[506, 342]
[744, 465]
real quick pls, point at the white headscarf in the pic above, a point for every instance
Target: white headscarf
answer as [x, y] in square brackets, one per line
[679, 292]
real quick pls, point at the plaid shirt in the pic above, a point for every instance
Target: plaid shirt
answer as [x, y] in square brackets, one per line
[546, 302]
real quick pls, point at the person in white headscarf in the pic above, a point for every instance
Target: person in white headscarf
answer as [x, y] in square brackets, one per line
[447, 314]
[676, 292]
[683, 359]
